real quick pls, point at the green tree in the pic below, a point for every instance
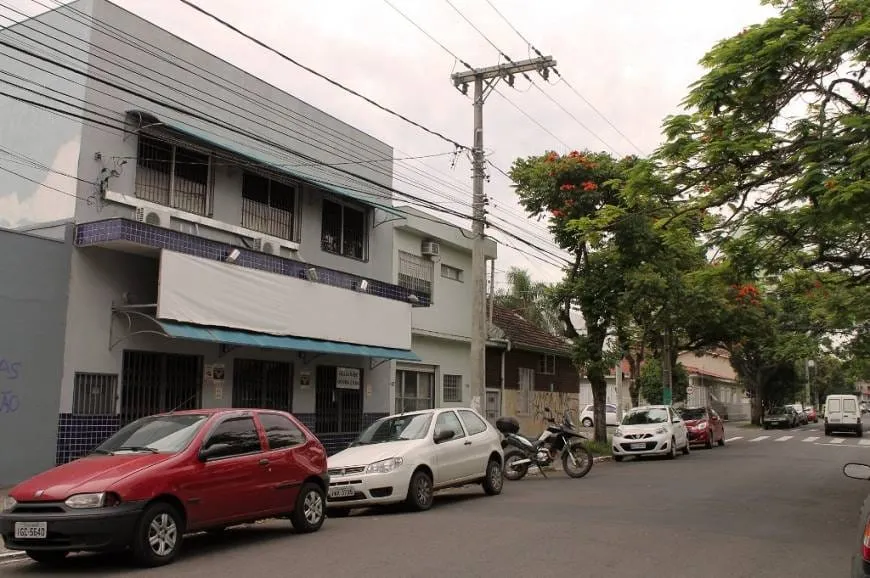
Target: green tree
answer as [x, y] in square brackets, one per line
[650, 382]
[530, 299]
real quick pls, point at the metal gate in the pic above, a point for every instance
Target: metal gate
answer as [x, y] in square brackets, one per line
[336, 410]
[262, 384]
[157, 382]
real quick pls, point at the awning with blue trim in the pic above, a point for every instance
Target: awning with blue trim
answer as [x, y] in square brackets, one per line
[303, 170]
[247, 339]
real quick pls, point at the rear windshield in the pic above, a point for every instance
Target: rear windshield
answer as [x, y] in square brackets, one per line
[777, 411]
[849, 405]
[834, 405]
[693, 413]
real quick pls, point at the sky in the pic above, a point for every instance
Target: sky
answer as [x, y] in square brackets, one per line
[630, 61]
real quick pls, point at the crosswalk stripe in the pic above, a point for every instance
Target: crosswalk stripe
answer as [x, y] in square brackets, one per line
[864, 442]
[783, 439]
[811, 439]
[837, 441]
[734, 439]
[759, 438]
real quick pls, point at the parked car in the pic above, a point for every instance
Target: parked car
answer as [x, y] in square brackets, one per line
[842, 413]
[704, 426]
[166, 475]
[587, 417]
[653, 430]
[780, 416]
[407, 457]
[812, 416]
[861, 548]
[801, 413]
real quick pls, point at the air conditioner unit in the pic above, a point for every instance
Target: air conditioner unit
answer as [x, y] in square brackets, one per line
[153, 217]
[265, 245]
[430, 249]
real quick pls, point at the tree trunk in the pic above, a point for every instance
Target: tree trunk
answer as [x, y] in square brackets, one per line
[599, 401]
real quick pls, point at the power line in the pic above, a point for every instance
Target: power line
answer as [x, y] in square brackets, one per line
[321, 76]
[563, 79]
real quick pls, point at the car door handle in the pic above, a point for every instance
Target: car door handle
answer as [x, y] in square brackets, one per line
[468, 442]
[264, 462]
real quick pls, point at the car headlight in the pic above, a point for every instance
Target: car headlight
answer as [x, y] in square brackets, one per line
[661, 430]
[98, 500]
[618, 432]
[384, 466]
[8, 504]
[701, 425]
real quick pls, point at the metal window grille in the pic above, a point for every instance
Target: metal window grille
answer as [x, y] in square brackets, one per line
[262, 384]
[414, 390]
[95, 393]
[343, 230]
[335, 410]
[452, 388]
[172, 175]
[268, 206]
[451, 273]
[157, 382]
[547, 364]
[415, 274]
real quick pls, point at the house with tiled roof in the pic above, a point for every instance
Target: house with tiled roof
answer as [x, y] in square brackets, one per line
[528, 369]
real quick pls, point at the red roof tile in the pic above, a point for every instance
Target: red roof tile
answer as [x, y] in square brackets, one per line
[525, 335]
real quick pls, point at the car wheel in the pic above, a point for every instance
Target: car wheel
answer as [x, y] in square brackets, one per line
[722, 439]
[827, 432]
[709, 444]
[860, 431]
[494, 480]
[618, 458]
[587, 422]
[687, 447]
[420, 491]
[158, 536]
[310, 509]
[47, 558]
[673, 453]
[766, 426]
[337, 512]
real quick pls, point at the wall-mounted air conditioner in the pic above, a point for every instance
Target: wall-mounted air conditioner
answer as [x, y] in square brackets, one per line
[152, 217]
[265, 245]
[430, 248]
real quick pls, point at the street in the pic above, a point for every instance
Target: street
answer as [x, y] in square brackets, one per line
[761, 509]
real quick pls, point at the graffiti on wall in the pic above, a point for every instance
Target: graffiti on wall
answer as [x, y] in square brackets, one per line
[9, 402]
[558, 402]
[9, 369]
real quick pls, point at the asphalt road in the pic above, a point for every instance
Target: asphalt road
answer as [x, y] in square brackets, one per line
[760, 509]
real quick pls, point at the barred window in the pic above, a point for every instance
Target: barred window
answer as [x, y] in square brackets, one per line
[452, 391]
[415, 274]
[268, 206]
[343, 230]
[172, 175]
[94, 393]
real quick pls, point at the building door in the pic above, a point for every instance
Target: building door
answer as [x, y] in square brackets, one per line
[337, 409]
[493, 404]
[527, 386]
[158, 382]
[262, 384]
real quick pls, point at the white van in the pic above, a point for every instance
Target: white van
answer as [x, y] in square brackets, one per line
[843, 413]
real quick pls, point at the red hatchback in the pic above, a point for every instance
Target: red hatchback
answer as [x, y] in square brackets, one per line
[166, 475]
[704, 426]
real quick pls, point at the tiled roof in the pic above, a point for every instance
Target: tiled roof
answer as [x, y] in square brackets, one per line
[525, 335]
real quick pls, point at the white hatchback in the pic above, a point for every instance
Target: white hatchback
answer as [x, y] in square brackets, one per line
[652, 430]
[407, 457]
[587, 416]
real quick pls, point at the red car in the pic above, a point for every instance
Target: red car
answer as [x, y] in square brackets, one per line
[704, 426]
[166, 475]
[811, 414]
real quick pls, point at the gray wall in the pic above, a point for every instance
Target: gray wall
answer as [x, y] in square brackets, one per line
[34, 276]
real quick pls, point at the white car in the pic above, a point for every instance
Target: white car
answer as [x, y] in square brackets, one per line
[407, 457]
[587, 417]
[652, 430]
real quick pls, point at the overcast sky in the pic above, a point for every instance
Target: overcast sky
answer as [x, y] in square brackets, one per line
[632, 60]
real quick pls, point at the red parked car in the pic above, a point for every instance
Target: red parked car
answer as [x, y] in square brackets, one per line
[166, 475]
[704, 426]
[811, 414]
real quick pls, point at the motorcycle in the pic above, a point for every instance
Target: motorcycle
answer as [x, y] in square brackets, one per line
[522, 452]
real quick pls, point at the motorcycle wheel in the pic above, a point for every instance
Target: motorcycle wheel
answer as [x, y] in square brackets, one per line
[512, 472]
[583, 457]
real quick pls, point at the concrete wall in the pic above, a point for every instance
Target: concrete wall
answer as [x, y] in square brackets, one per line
[39, 151]
[34, 274]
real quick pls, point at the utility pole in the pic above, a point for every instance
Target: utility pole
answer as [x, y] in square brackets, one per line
[484, 80]
[667, 370]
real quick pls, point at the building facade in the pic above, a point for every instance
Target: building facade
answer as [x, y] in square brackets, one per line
[219, 243]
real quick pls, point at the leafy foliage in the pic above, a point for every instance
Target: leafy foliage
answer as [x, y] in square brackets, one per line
[529, 299]
[650, 382]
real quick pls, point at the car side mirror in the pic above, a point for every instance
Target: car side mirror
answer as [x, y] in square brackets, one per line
[443, 435]
[857, 471]
[214, 451]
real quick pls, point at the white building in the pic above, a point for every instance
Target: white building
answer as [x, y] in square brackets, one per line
[232, 245]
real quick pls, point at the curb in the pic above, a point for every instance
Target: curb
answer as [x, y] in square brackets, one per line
[11, 555]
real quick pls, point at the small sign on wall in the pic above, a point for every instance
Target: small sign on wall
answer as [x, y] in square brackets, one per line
[305, 379]
[348, 377]
[213, 378]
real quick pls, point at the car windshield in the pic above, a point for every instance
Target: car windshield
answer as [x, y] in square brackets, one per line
[694, 413]
[156, 434]
[645, 416]
[396, 428]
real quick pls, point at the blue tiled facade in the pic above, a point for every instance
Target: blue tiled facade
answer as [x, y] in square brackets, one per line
[77, 435]
[118, 229]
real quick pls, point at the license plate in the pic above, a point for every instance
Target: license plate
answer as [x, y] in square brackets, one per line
[341, 492]
[640, 446]
[31, 530]
[834, 420]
